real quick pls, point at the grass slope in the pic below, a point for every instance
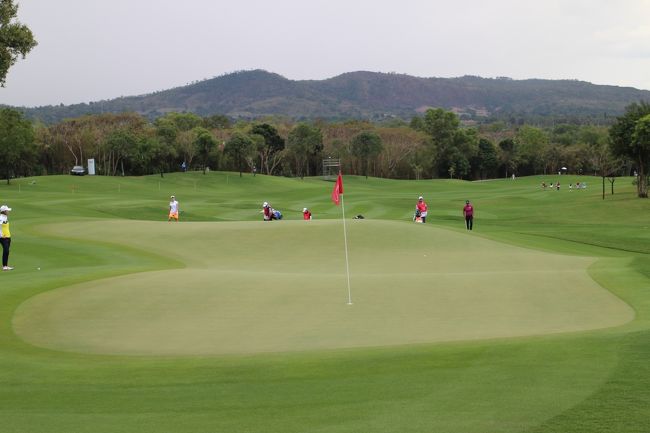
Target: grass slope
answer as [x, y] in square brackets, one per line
[591, 381]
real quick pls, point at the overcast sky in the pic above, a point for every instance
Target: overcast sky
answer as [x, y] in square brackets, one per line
[89, 50]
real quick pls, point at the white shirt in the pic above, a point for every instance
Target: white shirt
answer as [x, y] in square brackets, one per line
[173, 206]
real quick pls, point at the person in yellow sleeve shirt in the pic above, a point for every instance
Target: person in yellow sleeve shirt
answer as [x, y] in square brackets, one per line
[5, 237]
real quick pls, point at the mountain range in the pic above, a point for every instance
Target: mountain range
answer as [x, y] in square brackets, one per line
[367, 95]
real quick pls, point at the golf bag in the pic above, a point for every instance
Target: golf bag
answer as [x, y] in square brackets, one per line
[417, 217]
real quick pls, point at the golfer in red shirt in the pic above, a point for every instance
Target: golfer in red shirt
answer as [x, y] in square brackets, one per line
[267, 211]
[468, 212]
[422, 208]
[306, 214]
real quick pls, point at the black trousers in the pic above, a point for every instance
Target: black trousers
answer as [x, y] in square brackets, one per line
[6, 243]
[469, 221]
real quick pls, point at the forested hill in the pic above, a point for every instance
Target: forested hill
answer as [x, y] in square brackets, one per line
[370, 95]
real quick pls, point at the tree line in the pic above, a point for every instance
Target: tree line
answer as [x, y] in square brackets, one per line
[433, 145]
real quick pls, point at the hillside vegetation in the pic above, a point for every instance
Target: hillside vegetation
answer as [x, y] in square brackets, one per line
[368, 95]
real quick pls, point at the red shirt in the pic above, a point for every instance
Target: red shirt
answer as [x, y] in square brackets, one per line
[468, 210]
[306, 215]
[422, 206]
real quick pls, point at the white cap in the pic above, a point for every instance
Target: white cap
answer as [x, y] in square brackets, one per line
[265, 204]
[304, 209]
[420, 198]
[4, 208]
[173, 196]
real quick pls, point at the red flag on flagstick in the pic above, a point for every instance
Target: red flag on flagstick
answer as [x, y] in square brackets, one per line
[338, 190]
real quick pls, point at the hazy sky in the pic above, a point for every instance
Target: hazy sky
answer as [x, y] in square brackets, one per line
[102, 49]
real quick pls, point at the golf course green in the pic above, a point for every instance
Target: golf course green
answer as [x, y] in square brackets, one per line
[115, 320]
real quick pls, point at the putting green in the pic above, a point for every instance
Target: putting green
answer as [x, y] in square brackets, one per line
[253, 287]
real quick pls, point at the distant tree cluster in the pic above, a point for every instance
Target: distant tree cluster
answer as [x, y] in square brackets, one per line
[434, 145]
[631, 139]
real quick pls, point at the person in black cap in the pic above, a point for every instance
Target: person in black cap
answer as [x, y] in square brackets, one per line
[468, 213]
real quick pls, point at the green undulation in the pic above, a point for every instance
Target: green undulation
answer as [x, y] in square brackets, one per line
[115, 320]
[234, 297]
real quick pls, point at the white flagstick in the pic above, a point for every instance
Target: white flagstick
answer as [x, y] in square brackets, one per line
[347, 263]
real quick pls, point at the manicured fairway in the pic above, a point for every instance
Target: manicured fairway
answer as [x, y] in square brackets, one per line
[116, 321]
[254, 287]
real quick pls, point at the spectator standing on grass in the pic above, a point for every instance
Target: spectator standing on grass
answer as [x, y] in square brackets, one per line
[423, 209]
[173, 209]
[5, 237]
[468, 213]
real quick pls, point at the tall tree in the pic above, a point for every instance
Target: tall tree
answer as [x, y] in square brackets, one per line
[399, 145]
[641, 138]
[101, 126]
[68, 133]
[205, 144]
[630, 136]
[161, 154]
[270, 151]
[365, 146]
[486, 161]
[508, 156]
[166, 129]
[122, 143]
[553, 157]
[454, 157]
[16, 140]
[440, 124]
[185, 148]
[216, 121]
[185, 121]
[304, 141]
[16, 39]
[152, 154]
[605, 164]
[453, 146]
[238, 148]
[531, 146]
